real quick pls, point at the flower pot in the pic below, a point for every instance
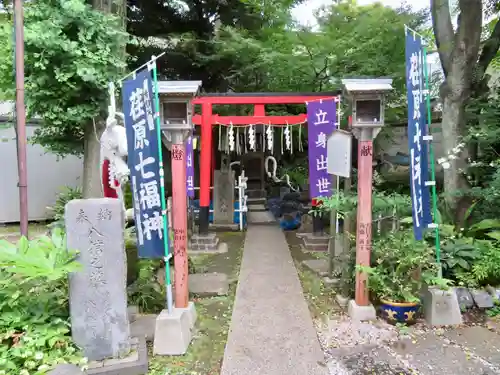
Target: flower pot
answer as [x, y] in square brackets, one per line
[399, 312]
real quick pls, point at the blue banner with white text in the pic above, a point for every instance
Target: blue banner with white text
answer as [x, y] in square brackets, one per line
[142, 142]
[417, 130]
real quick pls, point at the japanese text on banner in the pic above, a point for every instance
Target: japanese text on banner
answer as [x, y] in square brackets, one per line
[142, 140]
[189, 167]
[417, 129]
[321, 122]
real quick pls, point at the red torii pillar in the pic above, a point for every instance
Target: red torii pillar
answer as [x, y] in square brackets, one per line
[207, 119]
[205, 166]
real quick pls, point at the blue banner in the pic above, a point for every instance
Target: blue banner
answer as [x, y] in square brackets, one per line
[142, 141]
[417, 130]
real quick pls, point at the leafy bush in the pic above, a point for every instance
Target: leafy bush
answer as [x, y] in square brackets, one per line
[34, 311]
[458, 256]
[400, 267]
[67, 194]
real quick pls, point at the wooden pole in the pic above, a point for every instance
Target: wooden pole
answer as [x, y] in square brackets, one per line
[21, 117]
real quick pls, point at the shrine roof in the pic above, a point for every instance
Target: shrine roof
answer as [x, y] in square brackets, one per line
[270, 94]
[179, 87]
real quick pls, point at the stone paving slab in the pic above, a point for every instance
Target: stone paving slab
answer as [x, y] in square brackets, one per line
[431, 355]
[271, 329]
[480, 340]
[376, 361]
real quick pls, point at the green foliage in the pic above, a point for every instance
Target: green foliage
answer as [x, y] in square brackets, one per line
[67, 194]
[289, 57]
[485, 269]
[71, 53]
[34, 311]
[400, 267]
[392, 204]
[146, 292]
[458, 256]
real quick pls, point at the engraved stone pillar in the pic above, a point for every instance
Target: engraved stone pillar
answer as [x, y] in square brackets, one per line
[224, 193]
[98, 299]
[223, 197]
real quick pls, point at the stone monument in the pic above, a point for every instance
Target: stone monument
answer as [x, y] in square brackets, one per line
[98, 299]
[224, 194]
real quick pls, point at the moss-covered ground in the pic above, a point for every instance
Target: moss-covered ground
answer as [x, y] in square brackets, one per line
[205, 354]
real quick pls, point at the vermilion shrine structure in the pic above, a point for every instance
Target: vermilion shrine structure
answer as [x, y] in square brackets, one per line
[207, 119]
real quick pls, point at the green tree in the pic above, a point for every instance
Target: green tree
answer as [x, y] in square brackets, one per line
[464, 57]
[72, 51]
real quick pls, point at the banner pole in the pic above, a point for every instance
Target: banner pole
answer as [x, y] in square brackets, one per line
[166, 233]
[433, 169]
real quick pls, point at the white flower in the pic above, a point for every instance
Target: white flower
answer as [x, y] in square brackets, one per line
[446, 165]
[38, 356]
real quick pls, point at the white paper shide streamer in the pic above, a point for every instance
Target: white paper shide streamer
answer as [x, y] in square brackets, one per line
[288, 138]
[231, 138]
[270, 138]
[251, 137]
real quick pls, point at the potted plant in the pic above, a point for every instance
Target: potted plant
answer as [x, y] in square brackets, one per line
[400, 267]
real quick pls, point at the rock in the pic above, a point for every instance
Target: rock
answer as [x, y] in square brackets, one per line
[66, 369]
[464, 298]
[483, 299]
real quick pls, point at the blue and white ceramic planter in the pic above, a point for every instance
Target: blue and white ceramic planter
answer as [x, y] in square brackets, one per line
[399, 312]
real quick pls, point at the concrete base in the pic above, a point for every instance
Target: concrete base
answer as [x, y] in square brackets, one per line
[132, 312]
[361, 313]
[136, 363]
[206, 244]
[66, 369]
[191, 312]
[341, 300]
[224, 227]
[144, 326]
[172, 333]
[441, 307]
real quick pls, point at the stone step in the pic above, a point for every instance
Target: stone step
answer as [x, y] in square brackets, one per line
[256, 207]
[255, 193]
[256, 201]
[258, 217]
[315, 243]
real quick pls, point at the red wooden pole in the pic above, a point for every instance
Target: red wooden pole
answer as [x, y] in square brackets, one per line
[205, 166]
[364, 219]
[179, 203]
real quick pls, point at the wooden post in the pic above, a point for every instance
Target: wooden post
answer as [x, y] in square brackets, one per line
[179, 215]
[364, 218]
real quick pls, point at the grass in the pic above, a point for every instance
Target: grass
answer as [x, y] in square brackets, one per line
[319, 296]
[206, 351]
[33, 229]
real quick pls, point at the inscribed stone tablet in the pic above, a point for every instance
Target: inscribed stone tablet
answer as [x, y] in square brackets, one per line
[98, 300]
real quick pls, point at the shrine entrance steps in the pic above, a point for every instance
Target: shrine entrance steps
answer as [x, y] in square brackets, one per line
[257, 211]
[271, 332]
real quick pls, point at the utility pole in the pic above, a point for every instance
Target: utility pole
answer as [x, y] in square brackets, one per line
[21, 116]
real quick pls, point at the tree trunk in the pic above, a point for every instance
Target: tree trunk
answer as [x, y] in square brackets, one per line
[458, 52]
[92, 149]
[92, 187]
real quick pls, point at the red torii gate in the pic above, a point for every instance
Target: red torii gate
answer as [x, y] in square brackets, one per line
[207, 119]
